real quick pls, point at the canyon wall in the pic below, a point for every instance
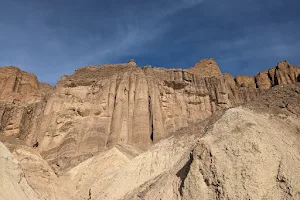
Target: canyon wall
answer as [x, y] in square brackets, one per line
[100, 106]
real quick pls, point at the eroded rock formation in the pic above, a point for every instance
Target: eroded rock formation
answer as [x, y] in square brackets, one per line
[206, 67]
[17, 85]
[105, 133]
[100, 106]
[22, 100]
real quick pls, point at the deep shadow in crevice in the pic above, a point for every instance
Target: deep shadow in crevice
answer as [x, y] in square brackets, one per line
[150, 118]
[35, 145]
[182, 174]
[151, 135]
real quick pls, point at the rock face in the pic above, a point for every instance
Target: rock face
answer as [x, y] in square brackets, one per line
[246, 81]
[206, 67]
[246, 88]
[17, 85]
[247, 152]
[263, 80]
[98, 107]
[21, 101]
[284, 73]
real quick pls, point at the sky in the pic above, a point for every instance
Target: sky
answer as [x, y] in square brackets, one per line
[51, 38]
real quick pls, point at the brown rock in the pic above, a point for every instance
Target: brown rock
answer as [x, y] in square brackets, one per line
[132, 62]
[245, 81]
[21, 102]
[206, 67]
[229, 79]
[285, 73]
[98, 107]
[262, 80]
[17, 85]
[85, 135]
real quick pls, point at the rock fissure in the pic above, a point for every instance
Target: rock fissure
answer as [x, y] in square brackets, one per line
[182, 174]
[15, 84]
[283, 182]
[151, 119]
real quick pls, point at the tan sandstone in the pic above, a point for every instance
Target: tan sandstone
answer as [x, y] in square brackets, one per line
[13, 183]
[206, 67]
[99, 107]
[249, 152]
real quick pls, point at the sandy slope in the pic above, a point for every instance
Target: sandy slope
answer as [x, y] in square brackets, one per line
[79, 180]
[13, 184]
[247, 155]
[39, 174]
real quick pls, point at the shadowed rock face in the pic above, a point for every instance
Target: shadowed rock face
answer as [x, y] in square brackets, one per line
[100, 106]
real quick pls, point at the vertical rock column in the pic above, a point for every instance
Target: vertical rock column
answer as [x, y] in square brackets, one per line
[119, 121]
[132, 113]
[142, 127]
[156, 116]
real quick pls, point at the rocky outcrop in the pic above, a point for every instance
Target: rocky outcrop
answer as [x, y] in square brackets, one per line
[246, 88]
[245, 81]
[98, 107]
[284, 73]
[17, 85]
[263, 80]
[206, 67]
[22, 99]
[21, 120]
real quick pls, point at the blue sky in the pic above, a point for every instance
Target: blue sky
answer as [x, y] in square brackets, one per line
[54, 37]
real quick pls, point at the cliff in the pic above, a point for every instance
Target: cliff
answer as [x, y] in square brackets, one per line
[98, 107]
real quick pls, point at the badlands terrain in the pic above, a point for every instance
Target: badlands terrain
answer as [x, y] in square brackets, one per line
[119, 131]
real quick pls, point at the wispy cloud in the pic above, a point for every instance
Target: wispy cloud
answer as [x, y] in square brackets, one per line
[54, 39]
[132, 33]
[49, 38]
